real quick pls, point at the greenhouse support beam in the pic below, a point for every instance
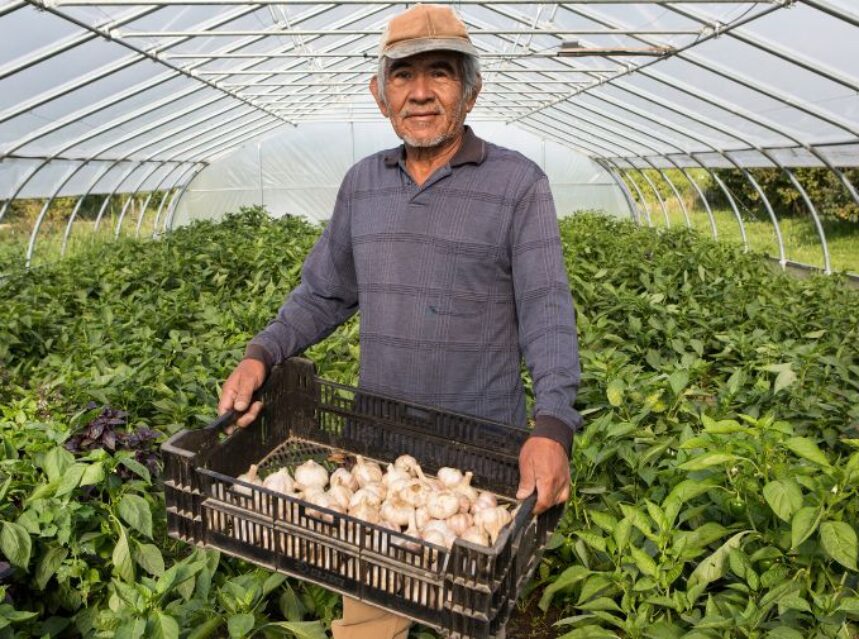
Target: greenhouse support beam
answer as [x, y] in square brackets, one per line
[782, 258]
[157, 188]
[178, 180]
[792, 56]
[821, 234]
[629, 70]
[45, 5]
[12, 6]
[658, 196]
[171, 212]
[832, 10]
[677, 195]
[31, 244]
[734, 208]
[633, 209]
[641, 197]
[378, 32]
[713, 230]
[76, 40]
[112, 3]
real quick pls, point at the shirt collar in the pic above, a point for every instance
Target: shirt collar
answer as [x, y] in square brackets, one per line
[471, 151]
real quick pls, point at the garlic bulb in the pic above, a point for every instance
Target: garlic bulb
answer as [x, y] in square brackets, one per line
[440, 527]
[442, 505]
[366, 472]
[459, 523]
[484, 500]
[492, 520]
[407, 464]
[397, 485]
[475, 535]
[250, 477]
[342, 477]
[394, 475]
[397, 511]
[421, 517]
[415, 493]
[411, 531]
[450, 477]
[323, 500]
[431, 483]
[465, 488]
[310, 474]
[365, 512]
[378, 488]
[340, 495]
[365, 496]
[280, 481]
[435, 537]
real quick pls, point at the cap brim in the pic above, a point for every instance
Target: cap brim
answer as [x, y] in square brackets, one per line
[422, 45]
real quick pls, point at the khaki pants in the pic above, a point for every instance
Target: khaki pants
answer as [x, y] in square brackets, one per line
[363, 621]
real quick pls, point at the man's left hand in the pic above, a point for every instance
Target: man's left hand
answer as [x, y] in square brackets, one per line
[544, 465]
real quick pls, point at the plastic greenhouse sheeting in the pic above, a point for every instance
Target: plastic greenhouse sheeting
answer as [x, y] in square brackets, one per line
[139, 86]
[299, 171]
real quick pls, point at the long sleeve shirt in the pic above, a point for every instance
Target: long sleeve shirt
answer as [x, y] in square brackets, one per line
[456, 281]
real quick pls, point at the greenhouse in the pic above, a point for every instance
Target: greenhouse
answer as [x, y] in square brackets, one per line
[171, 171]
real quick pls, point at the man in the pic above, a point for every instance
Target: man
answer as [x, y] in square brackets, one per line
[449, 246]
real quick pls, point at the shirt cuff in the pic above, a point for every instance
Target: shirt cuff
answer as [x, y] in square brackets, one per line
[553, 428]
[257, 352]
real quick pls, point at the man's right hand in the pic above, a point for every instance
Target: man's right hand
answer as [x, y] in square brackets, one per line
[239, 389]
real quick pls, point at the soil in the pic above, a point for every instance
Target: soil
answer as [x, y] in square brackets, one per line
[529, 622]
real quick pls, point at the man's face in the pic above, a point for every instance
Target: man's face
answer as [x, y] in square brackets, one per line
[424, 98]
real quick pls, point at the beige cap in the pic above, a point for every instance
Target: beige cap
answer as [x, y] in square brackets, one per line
[425, 27]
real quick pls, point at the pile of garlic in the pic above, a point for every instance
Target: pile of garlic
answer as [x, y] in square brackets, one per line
[436, 509]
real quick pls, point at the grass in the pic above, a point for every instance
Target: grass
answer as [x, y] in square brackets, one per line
[799, 235]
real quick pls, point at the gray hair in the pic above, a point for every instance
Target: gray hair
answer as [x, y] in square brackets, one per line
[469, 74]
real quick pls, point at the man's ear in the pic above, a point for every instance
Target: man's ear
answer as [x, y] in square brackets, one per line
[469, 105]
[374, 89]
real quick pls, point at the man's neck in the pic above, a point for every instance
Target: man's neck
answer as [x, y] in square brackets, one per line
[423, 162]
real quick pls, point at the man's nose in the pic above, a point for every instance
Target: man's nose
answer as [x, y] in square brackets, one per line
[421, 90]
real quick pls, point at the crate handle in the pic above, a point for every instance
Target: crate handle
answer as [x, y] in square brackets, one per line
[224, 420]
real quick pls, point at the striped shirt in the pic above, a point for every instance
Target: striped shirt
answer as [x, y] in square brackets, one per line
[456, 281]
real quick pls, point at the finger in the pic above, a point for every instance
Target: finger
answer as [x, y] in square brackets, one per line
[527, 477]
[228, 397]
[545, 495]
[564, 495]
[250, 417]
[244, 392]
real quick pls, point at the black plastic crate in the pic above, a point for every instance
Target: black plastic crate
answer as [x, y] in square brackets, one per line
[465, 592]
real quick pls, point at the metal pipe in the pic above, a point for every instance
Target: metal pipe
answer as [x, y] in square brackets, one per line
[733, 204]
[773, 218]
[378, 32]
[658, 196]
[827, 266]
[110, 3]
[31, 245]
[641, 197]
[168, 222]
[677, 195]
[630, 203]
[706, 202]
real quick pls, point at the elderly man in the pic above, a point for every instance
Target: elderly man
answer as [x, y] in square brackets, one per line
[449, 247]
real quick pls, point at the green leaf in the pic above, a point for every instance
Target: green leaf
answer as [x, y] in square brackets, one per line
[570, 577]
[122, 558]
[137, 468]
[807, 449]
[804, 523]
[162, 626]
[135, 511]
[622, 533]
[71, 479]
[713, 567]
[15, 543]
[784, 379]
[149, 557]
[707, 460]
[784, 497]
[784, 632]
[589, 632]
[595, 541]
[794, 602]
[94, 474]
[603, 520]
[850, 605]
[56, 461]
[678, 381]
[133, 630]
[594, 585]
[724, 427]
[48, 565]
[839, 541]
[300, 629]
[240, 625]
[614, 392]
[643, 561]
